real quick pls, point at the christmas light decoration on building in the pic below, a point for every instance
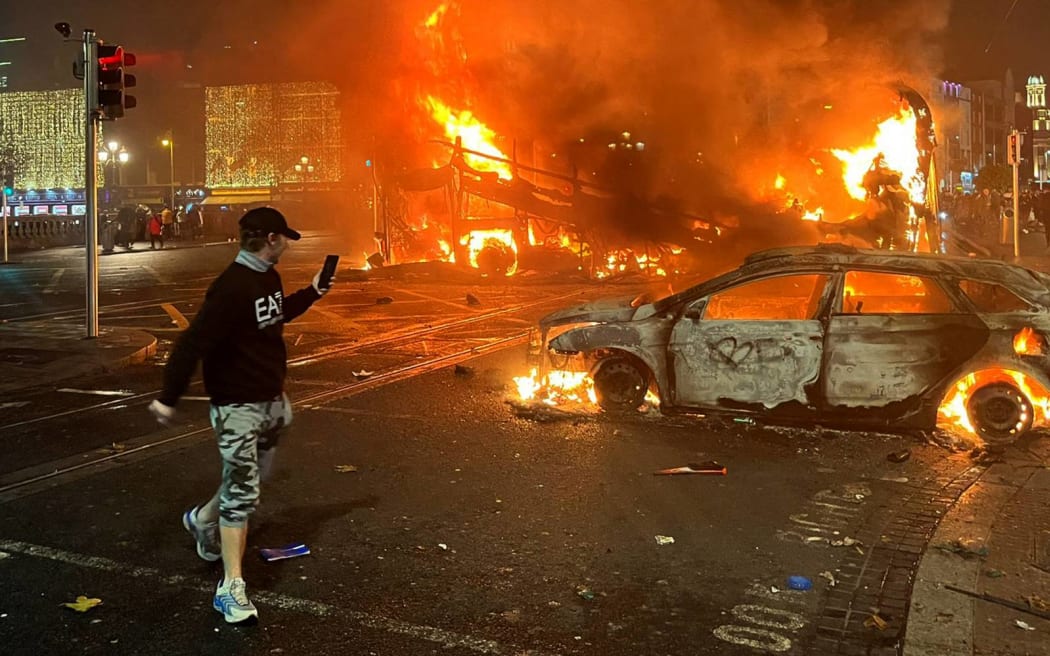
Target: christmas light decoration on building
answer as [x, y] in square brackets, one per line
[256, 133]
[42, 134]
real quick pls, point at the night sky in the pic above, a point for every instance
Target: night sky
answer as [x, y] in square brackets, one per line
[1020, 43]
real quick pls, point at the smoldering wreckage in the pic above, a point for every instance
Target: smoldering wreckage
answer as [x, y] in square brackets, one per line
[831, 335]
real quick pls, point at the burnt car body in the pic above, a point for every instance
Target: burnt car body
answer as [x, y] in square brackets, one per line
[824, 335]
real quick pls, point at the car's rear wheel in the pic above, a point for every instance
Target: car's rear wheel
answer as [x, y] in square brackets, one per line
[1000, 412]
[620, 384]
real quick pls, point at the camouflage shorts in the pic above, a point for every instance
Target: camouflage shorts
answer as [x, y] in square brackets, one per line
[247, 434]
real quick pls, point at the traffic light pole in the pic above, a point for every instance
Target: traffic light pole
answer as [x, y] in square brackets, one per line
[91, 118]
[1016, 150]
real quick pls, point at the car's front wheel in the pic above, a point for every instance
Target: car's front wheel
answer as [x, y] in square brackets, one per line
[620, 384]
[1000, 412]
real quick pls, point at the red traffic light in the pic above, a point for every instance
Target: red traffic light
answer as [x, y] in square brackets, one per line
[113, 80]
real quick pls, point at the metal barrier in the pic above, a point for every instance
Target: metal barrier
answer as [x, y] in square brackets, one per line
[30, 232]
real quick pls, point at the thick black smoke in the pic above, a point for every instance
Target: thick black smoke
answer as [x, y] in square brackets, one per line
[724, 93]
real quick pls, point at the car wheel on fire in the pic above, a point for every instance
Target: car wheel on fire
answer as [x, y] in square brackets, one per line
[1000, 412]
[620, 384]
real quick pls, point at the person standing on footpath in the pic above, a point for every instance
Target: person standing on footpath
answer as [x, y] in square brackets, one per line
[156, 231]
[238, 334]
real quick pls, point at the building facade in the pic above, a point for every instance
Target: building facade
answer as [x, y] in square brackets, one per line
[952, 106]
[1040, 129]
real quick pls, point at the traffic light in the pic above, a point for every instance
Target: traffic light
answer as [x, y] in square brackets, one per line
[113, 80]
[9, 184]
[1013, 149]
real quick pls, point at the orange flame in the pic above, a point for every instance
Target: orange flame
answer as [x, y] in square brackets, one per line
[477, 240]
[895, 141]
[474, 134]
[1028, 342]
[563, 388]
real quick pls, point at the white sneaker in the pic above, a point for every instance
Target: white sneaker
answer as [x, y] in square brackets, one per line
[205, 535]
[232, 601]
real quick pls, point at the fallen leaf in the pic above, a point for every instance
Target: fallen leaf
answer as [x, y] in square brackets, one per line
[82, 604]
[343, 469]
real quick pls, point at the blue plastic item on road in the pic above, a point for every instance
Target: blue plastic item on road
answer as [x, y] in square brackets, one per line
[799, 583]
[291, 551]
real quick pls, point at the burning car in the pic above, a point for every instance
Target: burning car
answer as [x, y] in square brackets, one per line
[827, 335]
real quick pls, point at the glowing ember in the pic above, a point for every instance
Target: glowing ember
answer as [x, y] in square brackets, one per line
[1028, 342]
[474, 134]
[500, 243]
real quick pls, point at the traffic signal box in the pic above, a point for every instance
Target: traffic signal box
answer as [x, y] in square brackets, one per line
[113, 80]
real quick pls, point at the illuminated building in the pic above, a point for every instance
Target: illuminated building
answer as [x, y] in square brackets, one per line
[42, 134]
[1036, 88]
[255, 134]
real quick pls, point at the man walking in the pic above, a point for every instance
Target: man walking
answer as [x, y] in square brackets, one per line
[238, 336]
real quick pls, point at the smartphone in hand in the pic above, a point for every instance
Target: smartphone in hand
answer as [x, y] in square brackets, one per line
[328, 271]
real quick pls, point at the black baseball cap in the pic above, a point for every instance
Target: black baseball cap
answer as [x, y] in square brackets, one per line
[267, 220]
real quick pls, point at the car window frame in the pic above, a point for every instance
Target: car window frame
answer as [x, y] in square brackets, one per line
[701, 303]
[1033, 308]
[949, 293]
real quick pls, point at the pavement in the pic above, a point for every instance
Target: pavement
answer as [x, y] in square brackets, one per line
[44, 353]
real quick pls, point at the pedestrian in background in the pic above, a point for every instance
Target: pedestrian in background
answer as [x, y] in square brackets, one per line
[238, 336]
[167, 219]
[156, 231]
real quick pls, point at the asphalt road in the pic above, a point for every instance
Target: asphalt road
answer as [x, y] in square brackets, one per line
[469, 526]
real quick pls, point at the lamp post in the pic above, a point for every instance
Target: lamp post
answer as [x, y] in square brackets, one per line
[116, 155]
[170, 145]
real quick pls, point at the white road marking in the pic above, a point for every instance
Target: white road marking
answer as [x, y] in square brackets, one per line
[70, 390]
[444, 638]
[153, 272]
[13, 404]
[53, 284]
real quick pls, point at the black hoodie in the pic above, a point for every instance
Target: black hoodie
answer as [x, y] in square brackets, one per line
[238, 333]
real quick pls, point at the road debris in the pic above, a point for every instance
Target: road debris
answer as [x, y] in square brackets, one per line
[874, 621]
[799, 583]
[709, 467]
[83, 604]
[899, 456]
[345, 469]
[830, 578]
[1036, 602]
[664, 539]
[984, 596]
[994, 573]
[463, 370]
[585, 593]
[1021, 624]
[442, 546]
[473, 300]
[748, 421]
[964, 548]
[361, 375]
[845, 542]
[281, 553]
[384, 300]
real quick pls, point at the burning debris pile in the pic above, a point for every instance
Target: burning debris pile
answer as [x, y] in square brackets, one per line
[557, 187]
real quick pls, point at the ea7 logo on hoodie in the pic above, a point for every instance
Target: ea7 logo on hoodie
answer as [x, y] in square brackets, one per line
[268, 310]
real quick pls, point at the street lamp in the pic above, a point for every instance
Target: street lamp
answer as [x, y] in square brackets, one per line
[170, 145]
[114, 154]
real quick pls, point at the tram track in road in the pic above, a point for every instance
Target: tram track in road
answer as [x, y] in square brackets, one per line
[86, 461]
[410, 334]
[36, 478]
